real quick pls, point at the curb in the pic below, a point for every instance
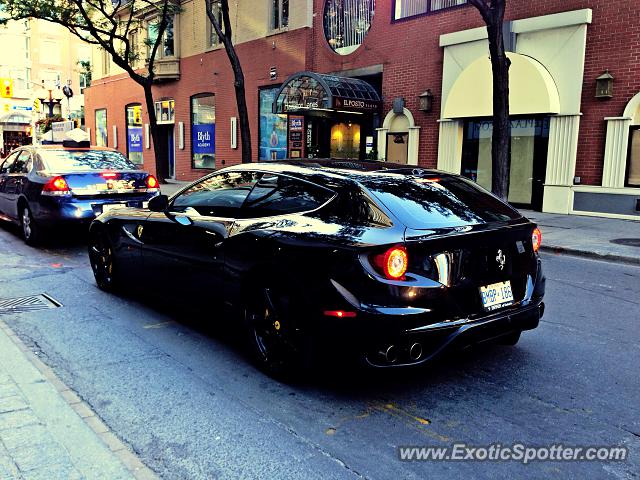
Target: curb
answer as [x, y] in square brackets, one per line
[591, 254]
[130, 461]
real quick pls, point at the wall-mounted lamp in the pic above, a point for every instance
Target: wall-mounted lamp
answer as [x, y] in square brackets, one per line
[604, 85]
[425, 100]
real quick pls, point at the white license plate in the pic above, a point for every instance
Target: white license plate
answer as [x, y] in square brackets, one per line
[111, 206]
[496, 295]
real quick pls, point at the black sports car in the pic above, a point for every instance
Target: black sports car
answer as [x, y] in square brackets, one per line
[392, 262]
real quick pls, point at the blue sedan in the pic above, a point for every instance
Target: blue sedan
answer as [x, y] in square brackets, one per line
[53, 185]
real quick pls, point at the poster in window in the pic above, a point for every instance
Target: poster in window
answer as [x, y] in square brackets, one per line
[135, 139]
[273, 128]
[203, 138]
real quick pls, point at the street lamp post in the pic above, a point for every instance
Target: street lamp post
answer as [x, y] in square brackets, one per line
[50, 100]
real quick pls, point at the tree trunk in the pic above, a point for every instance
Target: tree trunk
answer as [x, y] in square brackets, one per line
[501, 141]
[160, 151]
[241, 100]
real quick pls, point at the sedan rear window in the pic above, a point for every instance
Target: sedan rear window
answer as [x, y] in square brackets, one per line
[62, 161]
[438, 202]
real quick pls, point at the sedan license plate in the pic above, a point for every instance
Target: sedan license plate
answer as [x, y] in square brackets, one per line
[496, 295]
[111, 206]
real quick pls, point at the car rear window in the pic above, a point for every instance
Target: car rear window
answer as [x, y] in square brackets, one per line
[61, 161]
[438, 202]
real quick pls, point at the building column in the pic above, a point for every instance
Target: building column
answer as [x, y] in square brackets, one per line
[615, 152]
[382, 143]
[561, 163]
[413, 144]
[450, 145]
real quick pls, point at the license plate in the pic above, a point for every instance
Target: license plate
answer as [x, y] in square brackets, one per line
[496, 295]
[110, 206]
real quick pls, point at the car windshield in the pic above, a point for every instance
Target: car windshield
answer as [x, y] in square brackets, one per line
[437, 202]
[84, 160]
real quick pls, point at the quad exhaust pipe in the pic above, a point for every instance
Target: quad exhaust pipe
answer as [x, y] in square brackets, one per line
[415, 352]
[390, 354]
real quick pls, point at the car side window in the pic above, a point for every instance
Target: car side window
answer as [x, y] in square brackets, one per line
[8, 163]
[221, 195]
[22, 163]
[279, 195]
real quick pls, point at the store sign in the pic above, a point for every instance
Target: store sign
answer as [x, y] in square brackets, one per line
[135, 139]
[203, 139]
[354, 105]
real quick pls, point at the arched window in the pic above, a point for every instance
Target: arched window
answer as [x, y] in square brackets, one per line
[203, 131]
[346, 23]
[134, 132]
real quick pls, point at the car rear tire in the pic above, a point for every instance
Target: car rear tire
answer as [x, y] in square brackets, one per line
[102, 261]
[510, 339]
[31, 231]
[275, 343]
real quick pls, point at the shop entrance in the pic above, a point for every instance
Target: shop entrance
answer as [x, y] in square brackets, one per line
[328, 116]
[529, 146]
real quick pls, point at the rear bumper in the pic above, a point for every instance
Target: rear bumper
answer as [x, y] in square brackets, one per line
[370, 336]
[57, 211]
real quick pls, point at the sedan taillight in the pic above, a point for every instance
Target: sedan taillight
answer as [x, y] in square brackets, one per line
[536, 239]
[56, 186]
[152, 182]
[393, 263]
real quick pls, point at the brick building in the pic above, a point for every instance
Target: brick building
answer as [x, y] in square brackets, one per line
[401, 80]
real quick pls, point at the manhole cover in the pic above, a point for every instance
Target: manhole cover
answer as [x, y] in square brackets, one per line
[629, 242]
[27, 304]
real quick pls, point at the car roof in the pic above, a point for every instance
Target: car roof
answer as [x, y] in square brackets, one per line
[61, 147]
[340, 169]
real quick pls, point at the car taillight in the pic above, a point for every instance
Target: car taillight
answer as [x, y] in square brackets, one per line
[109, 175]
[152, 182]
[56, 186]
[393, 263]
[536, 239]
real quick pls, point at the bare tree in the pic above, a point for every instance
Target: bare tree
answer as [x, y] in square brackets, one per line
[492, 12]
[218, 13]
[108, 25]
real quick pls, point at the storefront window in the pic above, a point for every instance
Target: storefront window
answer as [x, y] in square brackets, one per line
[101, 128]
[529, 142]
[203, 131]
[273, 128]
[134, 133]
[633, 167]
[165, 112]
[346, 23]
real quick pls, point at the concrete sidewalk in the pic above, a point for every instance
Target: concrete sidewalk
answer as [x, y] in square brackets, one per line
[46, 431]
[597, 237]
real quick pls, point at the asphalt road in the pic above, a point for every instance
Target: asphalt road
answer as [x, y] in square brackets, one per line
[185, 398]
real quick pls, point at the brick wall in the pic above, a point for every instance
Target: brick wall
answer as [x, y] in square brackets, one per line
[412, 61]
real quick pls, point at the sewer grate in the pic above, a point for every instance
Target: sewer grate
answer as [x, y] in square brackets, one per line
[629, 242]
[28, 304]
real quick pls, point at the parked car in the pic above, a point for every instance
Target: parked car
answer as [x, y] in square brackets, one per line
[58, 185]
[395, 264]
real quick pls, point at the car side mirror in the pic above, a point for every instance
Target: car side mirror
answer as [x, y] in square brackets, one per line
[159, 203]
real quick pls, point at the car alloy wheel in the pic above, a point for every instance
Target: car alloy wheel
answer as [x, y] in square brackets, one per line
[273, 338]
[102, 261]
[30, 231]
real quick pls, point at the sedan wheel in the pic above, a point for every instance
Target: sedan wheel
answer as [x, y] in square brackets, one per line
[102, 261]
[30, 231]
[273, 338]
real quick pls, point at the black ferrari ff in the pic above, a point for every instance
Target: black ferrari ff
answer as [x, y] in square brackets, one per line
[390, 262]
